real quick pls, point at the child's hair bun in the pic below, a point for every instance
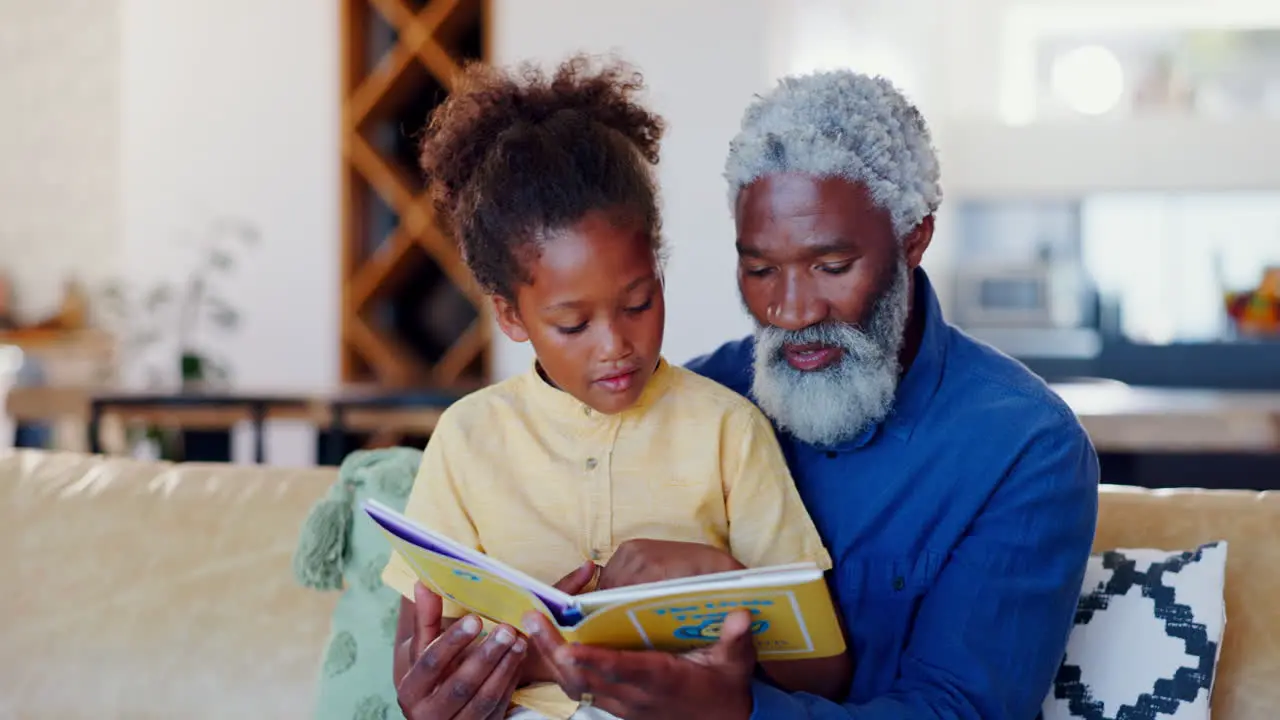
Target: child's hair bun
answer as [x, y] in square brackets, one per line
[490, 108]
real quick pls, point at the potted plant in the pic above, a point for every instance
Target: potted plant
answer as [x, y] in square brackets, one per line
[163, 329]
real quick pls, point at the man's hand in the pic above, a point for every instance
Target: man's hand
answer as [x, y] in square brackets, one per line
[536, 667]
[641, 561]
[449, 677]
[713, 683]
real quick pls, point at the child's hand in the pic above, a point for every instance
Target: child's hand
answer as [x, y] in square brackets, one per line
[642, 561]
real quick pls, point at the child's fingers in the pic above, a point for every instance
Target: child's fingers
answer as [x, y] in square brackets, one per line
[574, 582]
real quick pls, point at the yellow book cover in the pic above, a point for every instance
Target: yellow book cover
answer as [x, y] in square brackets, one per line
[793, 616]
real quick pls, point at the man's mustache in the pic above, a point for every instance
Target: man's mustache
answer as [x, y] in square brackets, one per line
[831, 333]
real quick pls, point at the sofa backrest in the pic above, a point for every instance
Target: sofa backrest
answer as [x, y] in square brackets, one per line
[107, 561]
[156, 590]
[10, 361]
[1249, 664]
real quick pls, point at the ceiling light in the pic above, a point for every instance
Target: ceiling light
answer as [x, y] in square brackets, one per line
[1088, 79]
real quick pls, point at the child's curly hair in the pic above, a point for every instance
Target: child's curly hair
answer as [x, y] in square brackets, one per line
[511, 156]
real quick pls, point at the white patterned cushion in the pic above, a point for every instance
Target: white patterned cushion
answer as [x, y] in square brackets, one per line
[1147, 634]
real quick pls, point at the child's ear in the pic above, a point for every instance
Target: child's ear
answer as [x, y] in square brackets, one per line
[509, 319]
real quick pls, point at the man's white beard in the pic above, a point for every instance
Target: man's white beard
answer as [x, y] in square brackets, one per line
[837, 403]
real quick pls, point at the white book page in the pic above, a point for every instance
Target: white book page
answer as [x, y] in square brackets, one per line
[752, 577]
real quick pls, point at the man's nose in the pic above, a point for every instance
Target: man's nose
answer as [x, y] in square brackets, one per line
[798, 306]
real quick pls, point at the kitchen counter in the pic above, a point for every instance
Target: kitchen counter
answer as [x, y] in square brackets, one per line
[1127, 419]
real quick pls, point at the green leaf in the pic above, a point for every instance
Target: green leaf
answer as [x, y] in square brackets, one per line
[159, 296]
[222, 314]
[221, 259]
[113, 290]
[218, 371]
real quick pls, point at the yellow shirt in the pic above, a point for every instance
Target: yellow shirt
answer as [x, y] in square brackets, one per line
[526, 473]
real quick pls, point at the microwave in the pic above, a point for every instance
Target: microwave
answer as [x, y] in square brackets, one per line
[1031, 296]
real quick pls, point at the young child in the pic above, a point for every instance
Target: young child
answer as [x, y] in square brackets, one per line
[547, 184]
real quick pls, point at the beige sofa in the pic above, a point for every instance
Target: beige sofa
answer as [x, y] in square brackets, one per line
[146, 590]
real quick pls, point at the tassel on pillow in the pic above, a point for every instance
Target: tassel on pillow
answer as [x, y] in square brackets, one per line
[322, 545]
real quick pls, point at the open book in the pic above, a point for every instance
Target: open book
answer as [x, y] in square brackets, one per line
[793, 616]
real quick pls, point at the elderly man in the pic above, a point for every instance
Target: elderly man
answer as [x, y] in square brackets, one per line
[956, 493]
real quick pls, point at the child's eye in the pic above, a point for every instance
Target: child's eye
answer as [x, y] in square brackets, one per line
[572, 330]
[641, 307]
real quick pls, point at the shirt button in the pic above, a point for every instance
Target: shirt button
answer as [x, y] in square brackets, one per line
[595, 555]
[586, 411]
[832, 454]
[899, 583]
[591, 463]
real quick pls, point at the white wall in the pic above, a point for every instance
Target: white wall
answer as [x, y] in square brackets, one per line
[703, 61]
[59, 148]
[238, 115]
[903, 40]
[232, 108]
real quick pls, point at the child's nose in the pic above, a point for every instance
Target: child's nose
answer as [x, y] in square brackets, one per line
[614, 345]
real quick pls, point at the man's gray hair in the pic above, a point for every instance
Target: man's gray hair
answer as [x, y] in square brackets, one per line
[844, 124]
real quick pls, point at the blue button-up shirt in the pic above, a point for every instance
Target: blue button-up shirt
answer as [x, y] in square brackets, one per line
[960, 527]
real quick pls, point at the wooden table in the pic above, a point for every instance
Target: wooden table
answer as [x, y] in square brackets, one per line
[170, 407]
[411, 409]
[337, 410]
[1121, 418]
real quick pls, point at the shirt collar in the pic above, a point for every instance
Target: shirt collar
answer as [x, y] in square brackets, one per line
[561, 404]
[920, 383]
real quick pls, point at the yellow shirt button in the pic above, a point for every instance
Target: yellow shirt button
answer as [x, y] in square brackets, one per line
[591, 463]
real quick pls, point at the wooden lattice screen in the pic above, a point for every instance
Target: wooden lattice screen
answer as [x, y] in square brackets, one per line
[410, 313]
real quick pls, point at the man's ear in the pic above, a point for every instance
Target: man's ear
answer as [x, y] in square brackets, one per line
[509, 319]
[917, 242]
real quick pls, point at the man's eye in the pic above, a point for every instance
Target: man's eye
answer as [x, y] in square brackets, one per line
[572, 330]
[758, 272]
[837, 268]
[636, 309]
